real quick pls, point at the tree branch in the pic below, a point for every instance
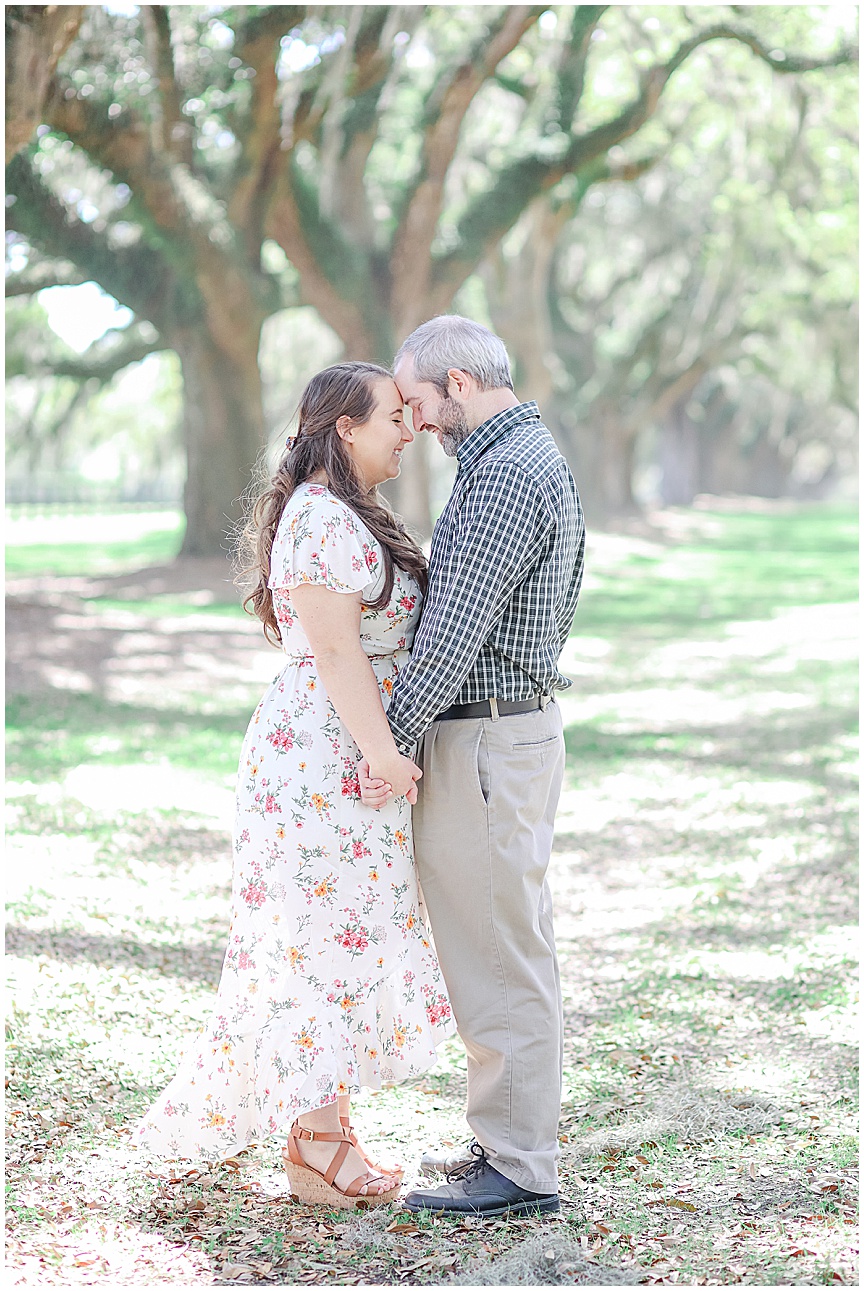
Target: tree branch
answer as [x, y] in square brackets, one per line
[172, 133]
[110, 354]
[36, 38]
[37, 277]
[351, 124]
[260, 135]
[411, 255]
[138, 277]
[574, 57]
[493, 213]
[181, 216]
[776, 59]
[332, 274]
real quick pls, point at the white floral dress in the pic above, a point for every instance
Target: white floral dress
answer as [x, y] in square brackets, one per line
[330, 982]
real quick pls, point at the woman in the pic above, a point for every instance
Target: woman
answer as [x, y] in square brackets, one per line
[329, 982]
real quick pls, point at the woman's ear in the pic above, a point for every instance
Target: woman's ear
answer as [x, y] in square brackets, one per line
[345, 428]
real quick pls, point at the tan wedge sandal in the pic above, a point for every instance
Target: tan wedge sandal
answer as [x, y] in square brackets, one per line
[311, 1187]
[373, 1165]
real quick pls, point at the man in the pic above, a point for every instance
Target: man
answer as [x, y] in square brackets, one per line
[505, 572]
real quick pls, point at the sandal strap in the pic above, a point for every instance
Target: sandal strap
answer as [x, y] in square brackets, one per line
[337, 1162]
[300, 1132]
[360, 1182]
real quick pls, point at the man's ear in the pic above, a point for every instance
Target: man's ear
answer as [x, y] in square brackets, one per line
[459, 384]
[345, 429]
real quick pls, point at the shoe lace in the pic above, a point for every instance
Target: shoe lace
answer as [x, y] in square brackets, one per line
[470, 1169]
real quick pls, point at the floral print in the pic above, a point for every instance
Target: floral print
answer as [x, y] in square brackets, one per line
[330, 981]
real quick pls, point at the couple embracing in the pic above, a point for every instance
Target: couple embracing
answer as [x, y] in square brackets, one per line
[412, 734]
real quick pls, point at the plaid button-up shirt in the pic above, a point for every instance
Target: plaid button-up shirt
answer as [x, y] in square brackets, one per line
[504, 577]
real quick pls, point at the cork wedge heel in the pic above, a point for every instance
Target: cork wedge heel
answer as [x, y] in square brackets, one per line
[311, 1187]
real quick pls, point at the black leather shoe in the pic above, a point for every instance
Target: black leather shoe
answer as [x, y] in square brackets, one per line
[478, 1189]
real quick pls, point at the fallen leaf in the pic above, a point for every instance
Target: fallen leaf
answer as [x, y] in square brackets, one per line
[397, 1227]
[626, 1057]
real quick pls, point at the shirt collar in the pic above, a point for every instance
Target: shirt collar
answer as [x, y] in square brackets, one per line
[487, 434]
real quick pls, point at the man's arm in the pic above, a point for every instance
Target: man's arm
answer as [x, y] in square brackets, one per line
[499, 533]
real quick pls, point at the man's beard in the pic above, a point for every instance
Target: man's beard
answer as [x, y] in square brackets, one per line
[452, 424]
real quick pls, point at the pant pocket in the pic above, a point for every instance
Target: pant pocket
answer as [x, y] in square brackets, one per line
[481, 759]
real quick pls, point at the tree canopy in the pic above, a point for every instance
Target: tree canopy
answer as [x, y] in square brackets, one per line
[212, 166]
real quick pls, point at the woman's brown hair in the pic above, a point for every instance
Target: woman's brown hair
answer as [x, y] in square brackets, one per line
[343, 390]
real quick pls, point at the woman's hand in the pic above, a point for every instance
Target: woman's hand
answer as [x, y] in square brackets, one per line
[388, 780]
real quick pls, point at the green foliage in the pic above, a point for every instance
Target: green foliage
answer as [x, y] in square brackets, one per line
[161, 171]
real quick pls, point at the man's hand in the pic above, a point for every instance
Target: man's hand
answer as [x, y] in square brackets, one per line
[375, 791]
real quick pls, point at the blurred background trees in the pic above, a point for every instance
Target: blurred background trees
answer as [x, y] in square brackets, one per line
[653, 205]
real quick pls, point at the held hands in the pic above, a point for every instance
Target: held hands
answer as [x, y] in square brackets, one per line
[388, 781]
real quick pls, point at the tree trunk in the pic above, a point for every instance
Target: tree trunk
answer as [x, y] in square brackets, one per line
[517, 291]
[36, 36]
[601, 455]
[679, 457]
[409, 494]
[224, 434]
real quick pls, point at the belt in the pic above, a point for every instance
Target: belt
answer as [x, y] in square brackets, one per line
[495, 708]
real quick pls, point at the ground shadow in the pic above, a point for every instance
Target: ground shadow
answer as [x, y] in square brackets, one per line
[199, 963]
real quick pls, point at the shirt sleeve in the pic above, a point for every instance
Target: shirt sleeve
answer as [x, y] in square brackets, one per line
[499, 533]
[323, 543]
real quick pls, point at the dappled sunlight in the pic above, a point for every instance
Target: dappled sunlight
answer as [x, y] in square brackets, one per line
[157, 660]
[828, 633]
[668, 708]
[704, 913]
[692, 801]
[145, 786]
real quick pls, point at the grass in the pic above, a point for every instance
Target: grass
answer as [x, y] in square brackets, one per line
[95, 557]
[702, 876]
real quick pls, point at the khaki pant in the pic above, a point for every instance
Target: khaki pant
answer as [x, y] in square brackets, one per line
[483, 829]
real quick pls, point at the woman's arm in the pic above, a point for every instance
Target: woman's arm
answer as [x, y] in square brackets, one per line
[331, 621]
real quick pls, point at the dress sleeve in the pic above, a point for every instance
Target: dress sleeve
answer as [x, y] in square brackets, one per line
[322, 542]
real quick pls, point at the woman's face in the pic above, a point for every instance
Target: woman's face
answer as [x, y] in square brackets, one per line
[376, 445]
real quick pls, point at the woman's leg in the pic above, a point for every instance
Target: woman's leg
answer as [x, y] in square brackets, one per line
[325, 1120]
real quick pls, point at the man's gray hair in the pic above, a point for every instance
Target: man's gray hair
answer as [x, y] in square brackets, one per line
[450, 341]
